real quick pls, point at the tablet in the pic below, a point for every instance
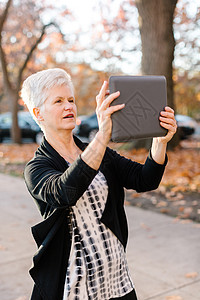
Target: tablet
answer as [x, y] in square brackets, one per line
[144, 97]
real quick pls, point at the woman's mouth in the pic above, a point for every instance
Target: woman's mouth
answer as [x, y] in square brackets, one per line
[69, 116]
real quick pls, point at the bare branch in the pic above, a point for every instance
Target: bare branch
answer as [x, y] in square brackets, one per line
[4, 15]
[29, 55]
[3, 18]
[6, 80]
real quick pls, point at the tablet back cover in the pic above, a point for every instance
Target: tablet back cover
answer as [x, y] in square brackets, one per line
[144, 97]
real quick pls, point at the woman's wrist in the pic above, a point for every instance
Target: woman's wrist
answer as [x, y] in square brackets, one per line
[158, 151]
[94, 152]
[103, 137]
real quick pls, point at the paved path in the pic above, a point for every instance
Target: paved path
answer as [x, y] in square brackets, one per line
[163, 254]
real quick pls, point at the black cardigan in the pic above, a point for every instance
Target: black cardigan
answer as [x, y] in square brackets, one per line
[56, 187]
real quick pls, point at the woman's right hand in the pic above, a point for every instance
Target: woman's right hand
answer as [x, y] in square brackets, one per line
[95, 151]
[104, 111]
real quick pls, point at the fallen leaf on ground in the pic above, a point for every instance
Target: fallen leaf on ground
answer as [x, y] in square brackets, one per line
[161, 204]
[191, 275]
[21, 298]
[164, 210]
[182, 173]
[188, 210]
[186, 221]
[146, 227]
[2, 248]
[174, 297]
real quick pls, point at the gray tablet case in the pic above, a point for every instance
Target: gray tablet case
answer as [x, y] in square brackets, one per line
[144, 97]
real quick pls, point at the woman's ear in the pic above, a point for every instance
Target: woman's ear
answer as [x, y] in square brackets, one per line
[37, 114]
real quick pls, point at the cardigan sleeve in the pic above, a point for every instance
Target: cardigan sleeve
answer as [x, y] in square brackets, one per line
[54, 187]
[140, 177]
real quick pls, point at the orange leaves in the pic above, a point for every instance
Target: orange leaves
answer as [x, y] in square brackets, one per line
[174, 297]
[182, 173]
[187, 94]
[21, 298]
[183, 170]
[178, 193]
[191, 275]
[10, 154]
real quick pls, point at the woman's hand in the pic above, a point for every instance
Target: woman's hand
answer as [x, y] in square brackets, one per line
[104, 111]
[95, 151]
[167, 121]
[159, 145]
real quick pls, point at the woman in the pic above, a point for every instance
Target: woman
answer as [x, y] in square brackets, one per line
[79, 190]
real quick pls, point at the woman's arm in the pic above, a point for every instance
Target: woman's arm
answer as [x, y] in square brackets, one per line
[95, 151]
[65, 188]
[148, 176]
[57, 188]
[133, 175]
[159, 145]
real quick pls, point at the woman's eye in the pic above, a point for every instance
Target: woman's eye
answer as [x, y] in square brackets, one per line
[71, 100]
[58, 101]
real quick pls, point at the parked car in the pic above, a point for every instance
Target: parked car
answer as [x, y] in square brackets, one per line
[186, 126]
[29, 128]
[88, 126]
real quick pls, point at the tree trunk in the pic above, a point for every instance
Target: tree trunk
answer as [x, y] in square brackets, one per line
[15, 129]
[11, 90]
[156, 29]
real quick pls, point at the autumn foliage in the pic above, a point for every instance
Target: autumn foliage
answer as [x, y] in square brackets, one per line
[182, 173]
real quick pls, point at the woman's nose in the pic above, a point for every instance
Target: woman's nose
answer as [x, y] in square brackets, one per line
[68, 105]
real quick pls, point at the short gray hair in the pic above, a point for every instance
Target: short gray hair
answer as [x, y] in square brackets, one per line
[35, 88]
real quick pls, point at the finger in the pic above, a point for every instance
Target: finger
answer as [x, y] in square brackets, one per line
[106, 103]
[169, 127]
[107, 92]
[110, 110]
[168, 120]
[102, 93]
[168, 112]
[169, 109]
[167, 115]
[103, 88]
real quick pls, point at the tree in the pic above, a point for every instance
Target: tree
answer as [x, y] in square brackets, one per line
[157, 38]
[156, 28]
[187, 94]
[15, 58]
[158, 43]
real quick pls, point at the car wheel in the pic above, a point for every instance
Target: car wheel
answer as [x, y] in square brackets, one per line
[38, 138]
[92, 134]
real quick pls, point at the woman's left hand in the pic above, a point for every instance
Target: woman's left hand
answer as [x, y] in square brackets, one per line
[167, 121]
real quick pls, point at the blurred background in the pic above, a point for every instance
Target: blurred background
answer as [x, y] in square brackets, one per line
[92, 40]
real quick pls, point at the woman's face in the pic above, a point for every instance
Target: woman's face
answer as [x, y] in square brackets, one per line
[59, 111]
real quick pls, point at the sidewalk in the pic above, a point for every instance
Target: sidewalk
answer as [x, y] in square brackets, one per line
[163, 253]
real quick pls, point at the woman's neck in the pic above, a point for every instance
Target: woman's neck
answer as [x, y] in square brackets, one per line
[63, 143]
